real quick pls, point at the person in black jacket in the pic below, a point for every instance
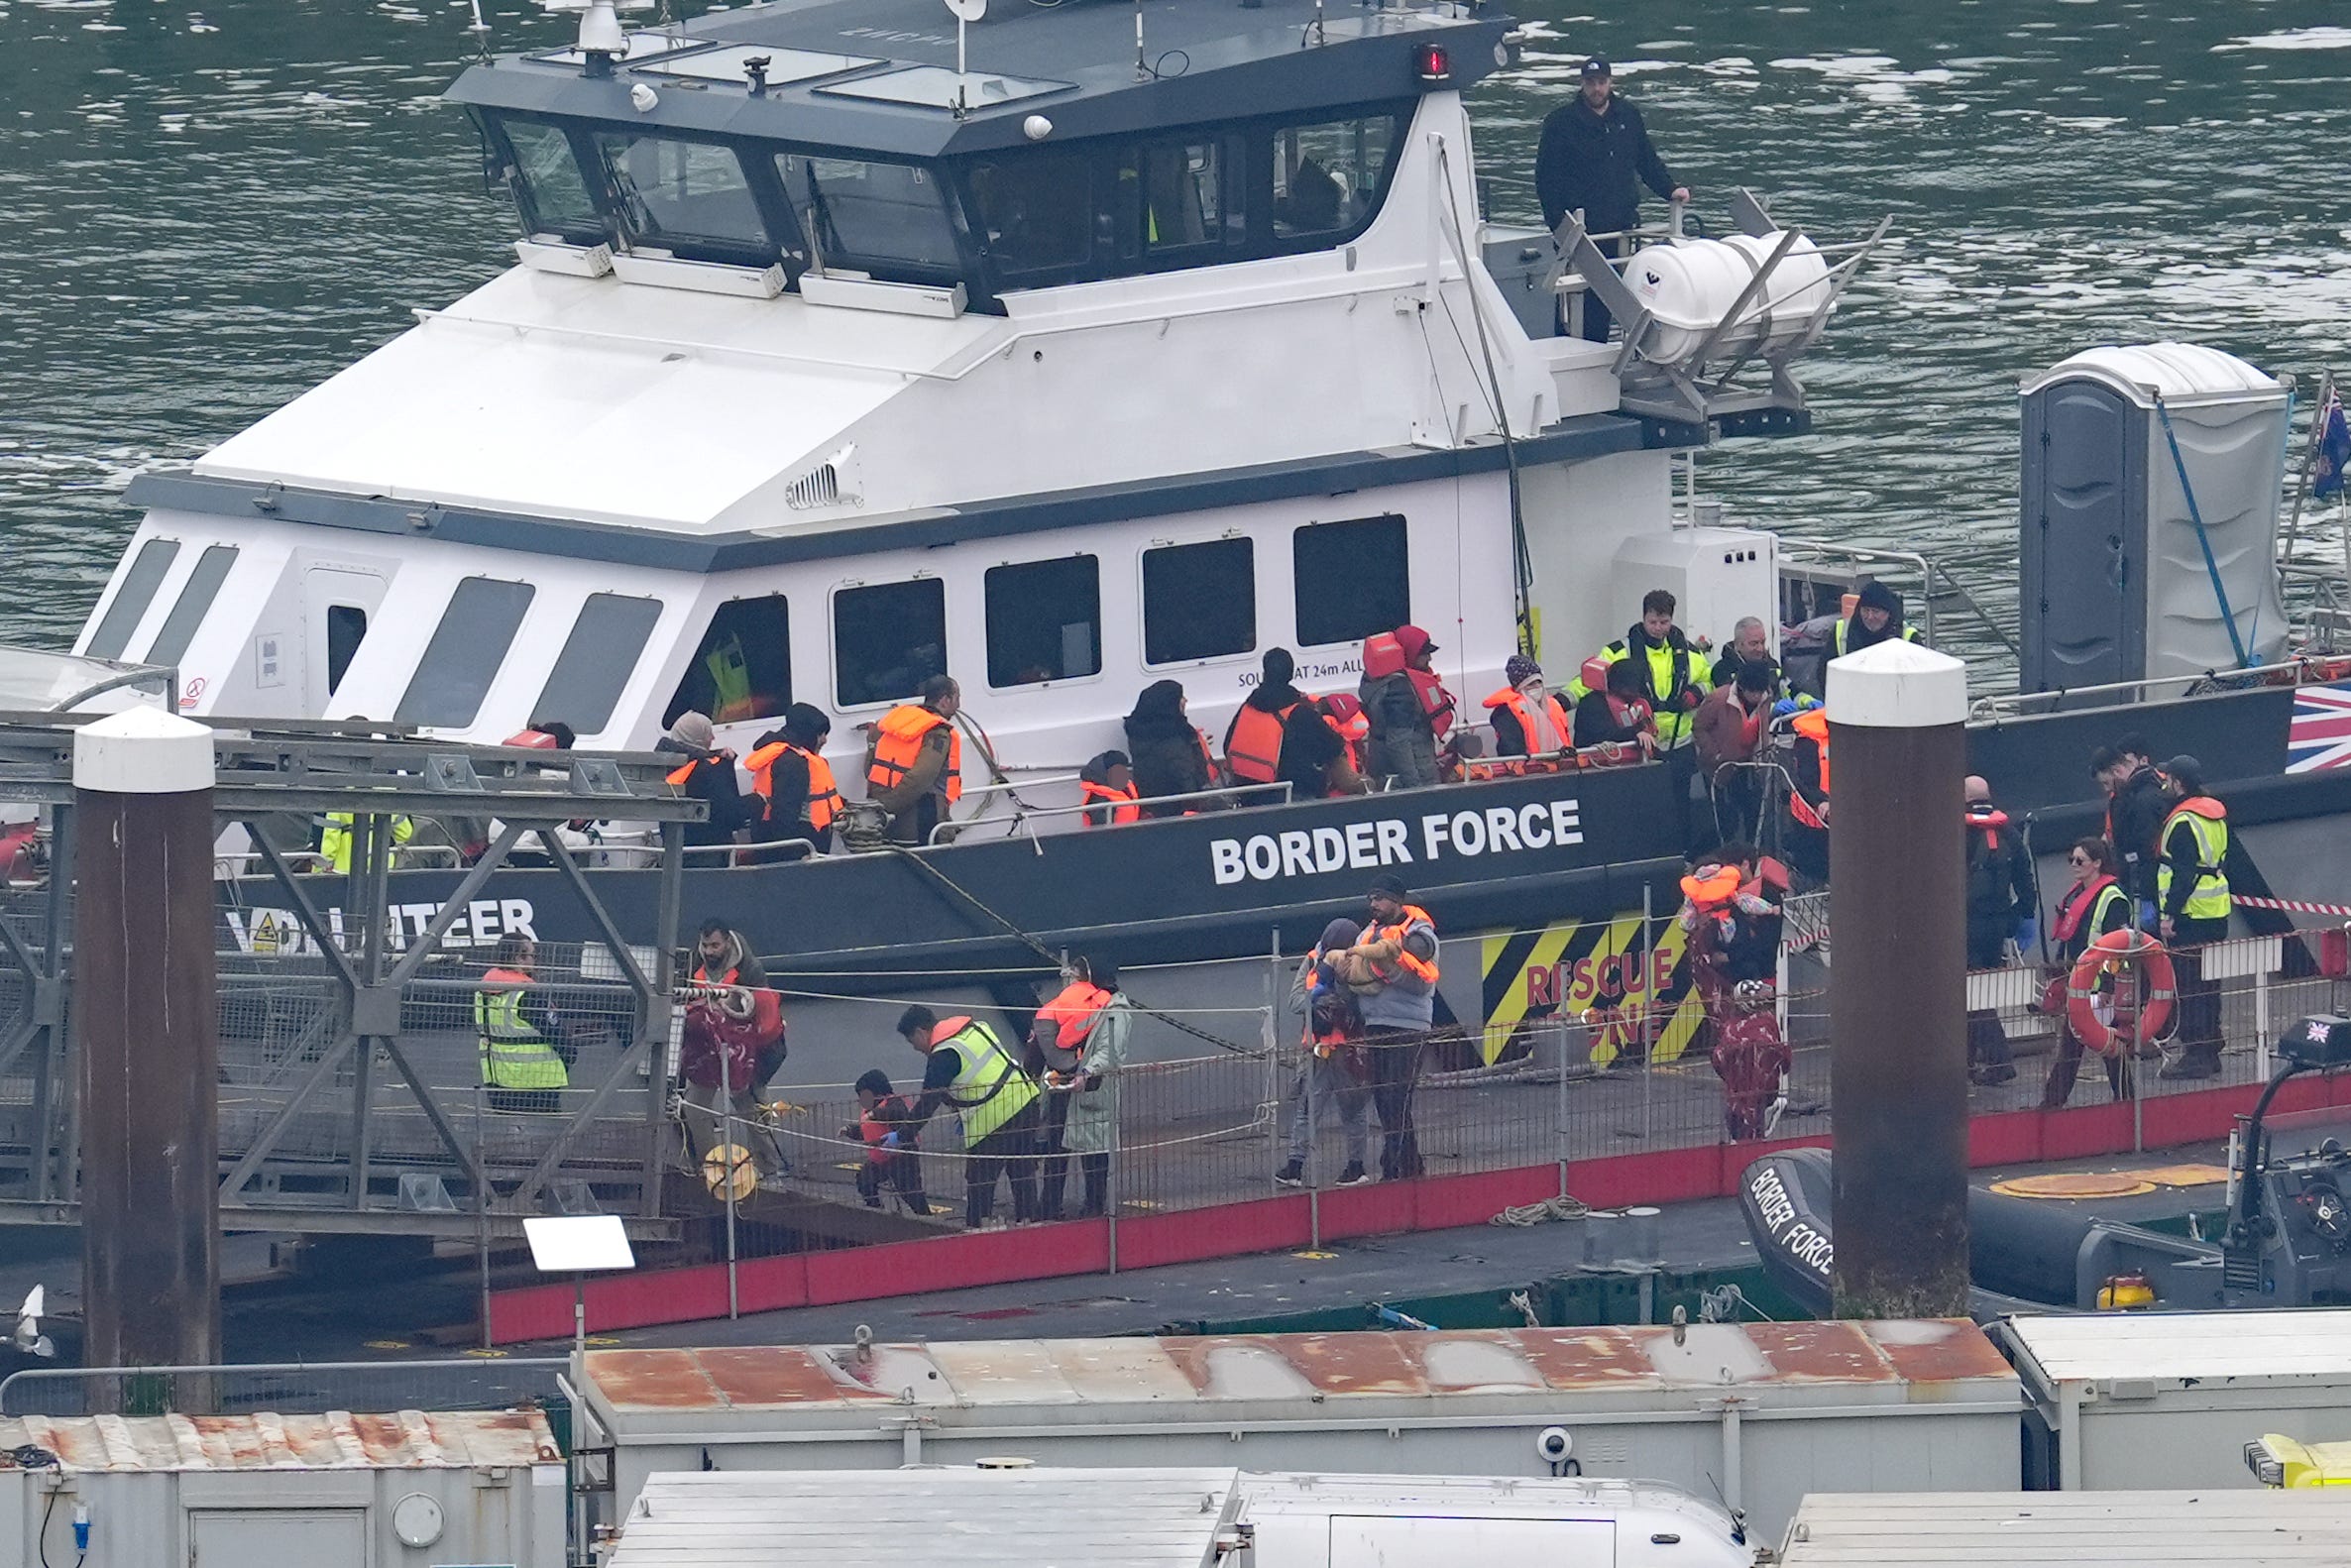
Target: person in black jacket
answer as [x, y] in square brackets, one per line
[803, 732]
[1594, 157]
[2001, 905]
[708, 774]
[1170, 756]
[2135, 810]
[1620, 714]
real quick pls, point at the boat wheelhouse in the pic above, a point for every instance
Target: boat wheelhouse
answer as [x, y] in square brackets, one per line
[1144, 342]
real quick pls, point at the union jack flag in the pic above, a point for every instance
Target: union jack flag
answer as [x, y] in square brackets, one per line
[2320, 735]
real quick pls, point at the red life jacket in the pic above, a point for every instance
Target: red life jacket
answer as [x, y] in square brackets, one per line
[1436, 703]
[877, 1124]
[1991, 820]
[2076, 908]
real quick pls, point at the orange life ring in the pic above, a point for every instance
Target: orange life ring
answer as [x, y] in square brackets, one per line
[2158, 990]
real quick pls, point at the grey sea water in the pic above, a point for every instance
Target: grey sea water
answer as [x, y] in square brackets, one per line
[214, 204]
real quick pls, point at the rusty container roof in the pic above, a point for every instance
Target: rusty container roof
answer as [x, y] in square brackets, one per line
[337, 1440]
[1529, 1371]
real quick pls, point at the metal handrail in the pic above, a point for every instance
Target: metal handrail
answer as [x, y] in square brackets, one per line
[958, 829]
[805, 847]
[2013, 704]
[200, 1368]
[1928, 569]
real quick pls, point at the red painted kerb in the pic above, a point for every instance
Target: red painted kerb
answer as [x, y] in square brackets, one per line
[1045, 1252]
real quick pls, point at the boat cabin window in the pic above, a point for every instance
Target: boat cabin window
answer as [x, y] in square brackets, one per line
[597, 660]
[550, 189]
[690, 198]
[1034, 214]
[1329, 176]
[1199, 601]
[892, 220]
[1352, 578]
[346, 630]
[1045, 621]
[742, 670]
[887, 640]
[1184, 193]
[465, 653]
[195, 602]
[146, 574]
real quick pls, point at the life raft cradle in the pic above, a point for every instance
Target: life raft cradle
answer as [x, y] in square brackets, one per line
[2158, 991]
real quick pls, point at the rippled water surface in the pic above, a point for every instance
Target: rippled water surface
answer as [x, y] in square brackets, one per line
[215, 205]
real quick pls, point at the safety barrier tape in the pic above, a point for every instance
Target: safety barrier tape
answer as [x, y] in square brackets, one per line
[2297, 906]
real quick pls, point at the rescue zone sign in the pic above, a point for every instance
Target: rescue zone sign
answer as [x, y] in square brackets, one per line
[1630, 989]
[1397, 840]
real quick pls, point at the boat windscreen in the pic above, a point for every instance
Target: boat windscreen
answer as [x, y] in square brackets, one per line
[892, 220]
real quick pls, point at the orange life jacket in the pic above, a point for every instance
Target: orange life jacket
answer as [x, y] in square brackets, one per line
[1713, 890]
[1515, 699]
[678, 775]
[532, 739]
[1349, 722]
[1123, 809]
[1072, 1012]
[1813, 725]
[898, 745]
[1253, 750]
[1991, 820]
[824, 795]
[1425, 968]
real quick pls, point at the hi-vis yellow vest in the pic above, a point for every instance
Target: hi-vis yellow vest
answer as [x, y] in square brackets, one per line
[991, 1088]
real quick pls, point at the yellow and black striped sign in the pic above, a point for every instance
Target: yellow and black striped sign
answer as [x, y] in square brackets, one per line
[1603, 966]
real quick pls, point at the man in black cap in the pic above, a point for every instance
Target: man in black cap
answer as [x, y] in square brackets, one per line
[1594, 157]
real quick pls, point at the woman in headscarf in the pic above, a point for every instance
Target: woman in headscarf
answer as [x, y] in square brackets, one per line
[706, 772]
[1169, 753]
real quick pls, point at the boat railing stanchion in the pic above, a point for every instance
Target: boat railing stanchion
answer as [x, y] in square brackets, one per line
[1649, 1011]
[1559, 1036]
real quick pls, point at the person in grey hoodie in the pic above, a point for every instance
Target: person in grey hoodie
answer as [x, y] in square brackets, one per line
[1400, 946]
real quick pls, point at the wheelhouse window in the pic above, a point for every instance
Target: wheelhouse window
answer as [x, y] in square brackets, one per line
[1045, 621]
[1185, 198]
[346, 630]
[550, 192]
[597, 660]
[887, 640]
[129, 607]
[465, 653]
[1199, 601]
[690, 198]
[1330, 176]
[892, 220]
[742, 670]
[1352, 578]
[194, 604]
[1032, 214]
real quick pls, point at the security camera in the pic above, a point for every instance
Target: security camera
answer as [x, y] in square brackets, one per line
[1553, 1444]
